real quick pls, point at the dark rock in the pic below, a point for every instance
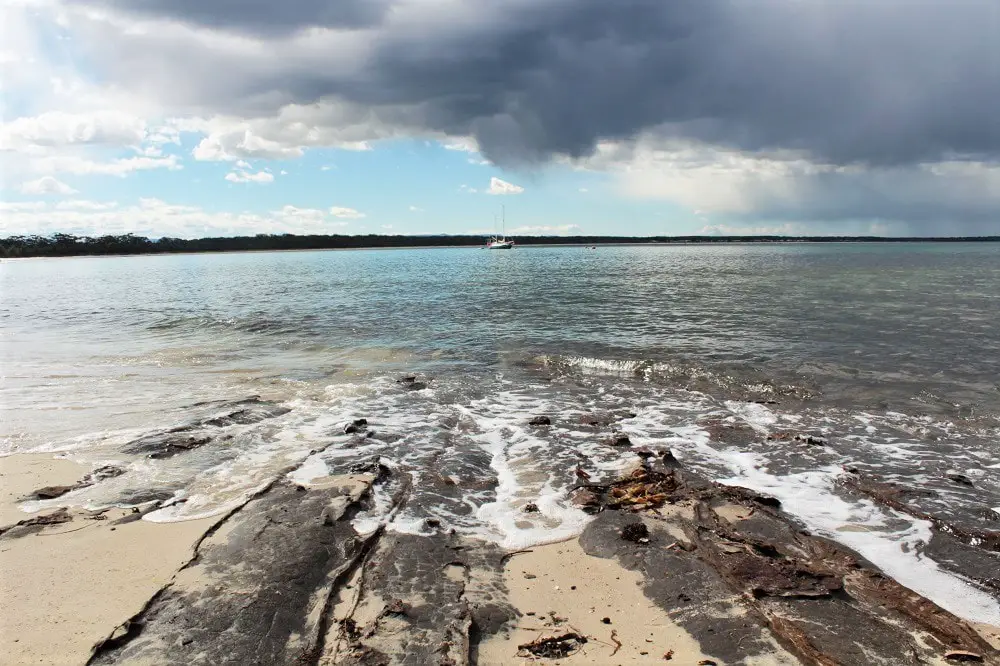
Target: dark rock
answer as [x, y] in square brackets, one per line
[279, 549]
[960, 479]
[530, 507]
[96, 476]
[51, 492]
[187, 437]
[103, 473]
[636, 532]
[730, 433]
[254, 412]
[962, 656]
[587, 500]
[165, 445]
[618, 439]
[134, 496]
[36, 524]
[374, 466]
[396, 607]
[415, 386]
[406, 379]
[432, 522]
[606, 620]
[351, 428]
[747, 495]
[540, 421]
[596, 420]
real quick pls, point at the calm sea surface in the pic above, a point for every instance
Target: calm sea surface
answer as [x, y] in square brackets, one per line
[891, 352]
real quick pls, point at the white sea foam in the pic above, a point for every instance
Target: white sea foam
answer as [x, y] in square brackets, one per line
[890, 540]
[758, 416]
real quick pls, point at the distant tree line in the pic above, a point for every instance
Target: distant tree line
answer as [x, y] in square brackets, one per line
[64, 245]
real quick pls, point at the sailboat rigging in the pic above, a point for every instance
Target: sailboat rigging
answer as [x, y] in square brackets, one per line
[500, 242]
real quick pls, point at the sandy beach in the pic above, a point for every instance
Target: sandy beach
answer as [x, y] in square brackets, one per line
[286, 579]
[69, 585]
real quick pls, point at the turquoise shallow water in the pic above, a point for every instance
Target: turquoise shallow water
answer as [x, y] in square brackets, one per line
[890, 351]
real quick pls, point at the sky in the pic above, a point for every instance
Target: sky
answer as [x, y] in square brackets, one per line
[192, 118]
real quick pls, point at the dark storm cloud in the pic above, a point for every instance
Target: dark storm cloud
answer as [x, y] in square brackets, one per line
[256, 17]
[887, 82]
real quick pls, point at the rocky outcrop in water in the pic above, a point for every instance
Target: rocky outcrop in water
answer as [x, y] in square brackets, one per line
[198, 433]
[287, 579]
[709, 548]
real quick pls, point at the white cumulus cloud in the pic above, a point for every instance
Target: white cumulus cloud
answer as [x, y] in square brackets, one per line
[498, 186]
[86, 167]
[558, 229]
[346, 213]
[247, 177]
[46, 185]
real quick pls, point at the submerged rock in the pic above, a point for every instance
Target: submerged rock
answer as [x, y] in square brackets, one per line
[618, 439]
[96, 476]
[540, 421]
[184, 438]
[960, 479]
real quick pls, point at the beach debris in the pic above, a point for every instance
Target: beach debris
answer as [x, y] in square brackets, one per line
[581, 473]
[642, 489]
[614, 639]
[540, 421]
[707, 662]
[963, 656]
[668, 655]
[636, 532]
[530, 507]
[618, 439]
[553, 647]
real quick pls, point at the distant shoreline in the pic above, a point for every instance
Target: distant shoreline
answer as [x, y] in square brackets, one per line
[63, 245]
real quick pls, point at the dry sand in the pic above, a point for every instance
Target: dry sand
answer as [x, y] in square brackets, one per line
[68, 586]
[580, 591]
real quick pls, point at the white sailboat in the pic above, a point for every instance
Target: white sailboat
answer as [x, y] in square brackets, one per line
[500, 242]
